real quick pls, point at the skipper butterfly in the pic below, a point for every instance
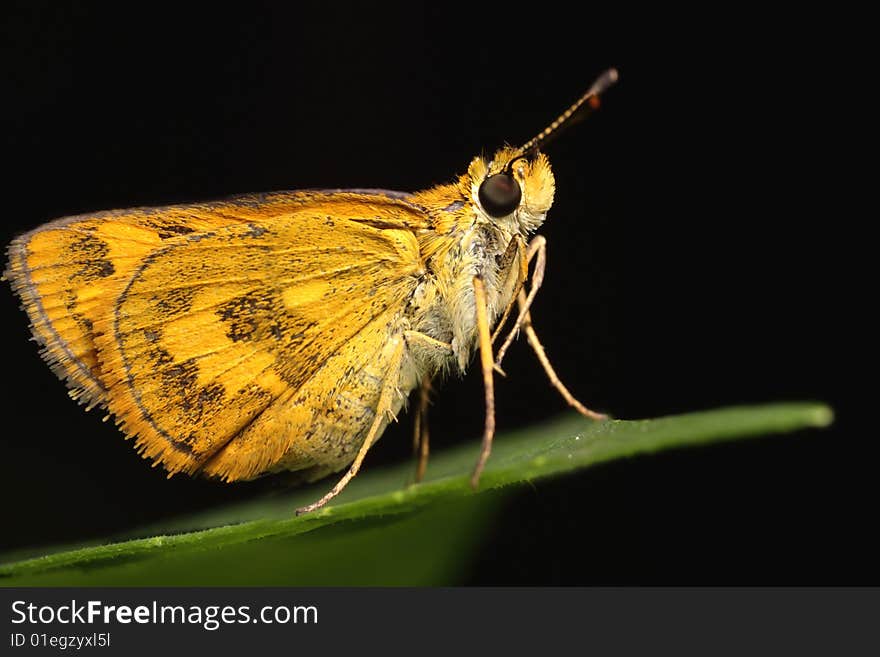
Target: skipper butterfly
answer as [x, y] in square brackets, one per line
[282, 331]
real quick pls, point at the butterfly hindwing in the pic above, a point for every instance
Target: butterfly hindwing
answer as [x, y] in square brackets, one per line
[239, 336]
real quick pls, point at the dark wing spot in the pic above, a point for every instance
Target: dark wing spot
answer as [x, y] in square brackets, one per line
[175, 301]
[104, 268]
[167, 231]
[91, 253]
[255, 231]
[248, 316]
[184, 444]
[159, 356]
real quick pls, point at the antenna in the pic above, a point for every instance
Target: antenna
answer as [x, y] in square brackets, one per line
[592, 94]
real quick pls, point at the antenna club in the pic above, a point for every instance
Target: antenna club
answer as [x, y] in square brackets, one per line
[605, 80]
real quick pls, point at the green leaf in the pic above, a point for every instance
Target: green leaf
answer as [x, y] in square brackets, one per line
[381, 531]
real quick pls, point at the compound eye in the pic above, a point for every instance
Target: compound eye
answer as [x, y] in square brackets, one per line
[499, 195]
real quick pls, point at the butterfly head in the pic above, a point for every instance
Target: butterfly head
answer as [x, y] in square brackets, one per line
[512, 189]
[515, 188]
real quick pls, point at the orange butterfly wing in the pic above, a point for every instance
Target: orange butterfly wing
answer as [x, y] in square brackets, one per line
[234, 337]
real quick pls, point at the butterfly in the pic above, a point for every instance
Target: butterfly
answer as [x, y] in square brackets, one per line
[284, 331]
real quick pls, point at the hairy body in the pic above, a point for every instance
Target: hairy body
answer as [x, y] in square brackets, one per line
[255, 335]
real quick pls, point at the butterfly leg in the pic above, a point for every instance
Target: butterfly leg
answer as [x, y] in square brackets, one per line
[429, 349]
[517, 247]
[537, 250]
[420, 430]
[487, 363]
[386, 397]
[537, 247]
[538, 348]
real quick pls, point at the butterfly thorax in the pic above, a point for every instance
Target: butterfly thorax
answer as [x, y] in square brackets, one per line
[465, 241]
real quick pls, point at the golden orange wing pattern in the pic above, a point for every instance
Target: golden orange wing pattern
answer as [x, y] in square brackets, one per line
[231, 338]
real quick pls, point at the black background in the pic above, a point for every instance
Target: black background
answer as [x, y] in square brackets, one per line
[695, 259]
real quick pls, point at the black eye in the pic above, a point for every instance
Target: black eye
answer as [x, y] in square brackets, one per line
[499, 195]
